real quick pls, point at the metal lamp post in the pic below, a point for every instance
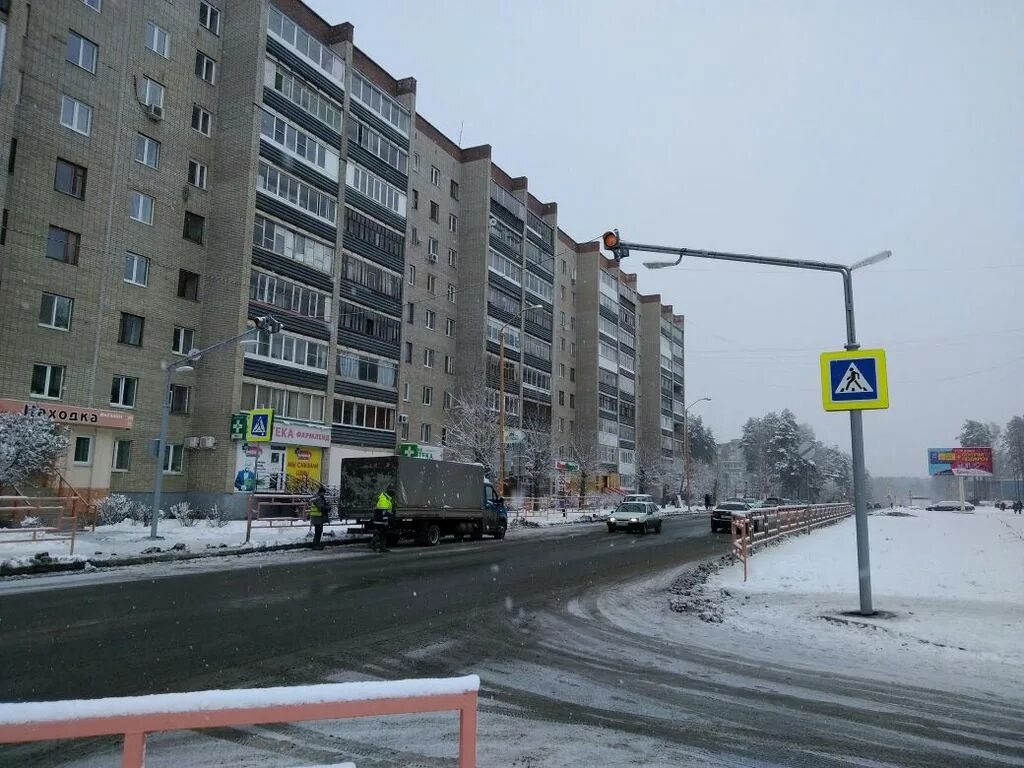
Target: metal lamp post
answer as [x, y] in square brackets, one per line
[267, 324]
[621, 249]
[501, 392]
[686, 445]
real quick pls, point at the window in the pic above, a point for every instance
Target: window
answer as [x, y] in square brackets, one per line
[287, 242]
[405, 392]
[454, 191]
[408, 352]
[62, 245]
[561, 370]
[55, 311]
[447, 401]
[70, 179]
[424, 433]
[494, 327]
[147, 150]
[429, 319]
[47, 381]
[297, 39]
[305, 96]
[415, 236]
[209, 17]
[451, 293]
[370, 276]
[122, 391]
[412, 274]
[188, 285]
[449, 364]
[75, 115]
[375, 188]
[561, 428]
[197, 174]
[537, 379]
[130, 330]
[428, 396]
[364, 415]
[269, 288]
[202, 121]
[504, 266]
[538, 286]
[184, 340]
[405, 430]
[297, 193]
[449, 327]
[136, 269]
[142, 208]
[432, 284]
[435, 211]
[384, 148]
[358, 366]
[82, 52]
[152, 93]
[416, 161]
[294, 404]
[96, 5]
[206, 68]
[572, 374]
[432, 248]
[299, 143]
[179, 397]
[453, 258]
[122, 460]
[415, 199]
[158, 39]
[453, 222]
[428, 358]
[444, 435]
[173, 455]
[435, 176]
[572, 400]
[83, 450]
[536, 347]
[291, 350]
[410, 312]
[372, 233]
[194, 227]
[561, 397]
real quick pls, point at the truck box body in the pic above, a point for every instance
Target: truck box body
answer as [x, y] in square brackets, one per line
[416, 486]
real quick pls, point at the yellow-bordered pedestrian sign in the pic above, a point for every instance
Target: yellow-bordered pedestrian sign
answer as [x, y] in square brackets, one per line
[259, 426]
[854, 380]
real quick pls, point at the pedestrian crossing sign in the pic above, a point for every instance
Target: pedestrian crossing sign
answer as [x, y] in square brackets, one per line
[259, 428]
[854, 380]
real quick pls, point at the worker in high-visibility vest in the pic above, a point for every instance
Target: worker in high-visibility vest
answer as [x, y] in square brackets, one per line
[382, 519]
[319, 509]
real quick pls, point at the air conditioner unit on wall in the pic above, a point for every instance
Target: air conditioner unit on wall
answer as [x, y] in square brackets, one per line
[191, 443]
[403, 418]
[209, 442]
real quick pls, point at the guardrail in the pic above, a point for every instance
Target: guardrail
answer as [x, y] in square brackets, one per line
[134, 717]
[759, 526]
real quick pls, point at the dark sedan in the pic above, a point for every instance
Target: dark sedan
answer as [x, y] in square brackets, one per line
[721, 516]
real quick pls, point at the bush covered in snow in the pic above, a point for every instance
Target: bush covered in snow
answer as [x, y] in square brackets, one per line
[114, 509]
[30, 521]
[215, 517]
[184, 513]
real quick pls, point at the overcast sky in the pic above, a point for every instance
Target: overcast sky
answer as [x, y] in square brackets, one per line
[823, 130]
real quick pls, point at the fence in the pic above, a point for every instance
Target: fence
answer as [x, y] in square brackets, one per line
[759, 526]
[134, 717]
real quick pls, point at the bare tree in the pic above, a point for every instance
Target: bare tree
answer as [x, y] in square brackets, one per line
[535, 456]
[473, 428]
[30, 444]
[585, 454]
[650, 468]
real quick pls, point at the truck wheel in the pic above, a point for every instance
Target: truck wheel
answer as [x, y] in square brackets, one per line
[432, 535]
[478, 533]
[500, 532]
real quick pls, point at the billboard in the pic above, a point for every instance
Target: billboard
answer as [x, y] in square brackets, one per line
[963, 462]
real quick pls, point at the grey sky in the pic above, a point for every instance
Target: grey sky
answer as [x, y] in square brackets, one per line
[804, 129]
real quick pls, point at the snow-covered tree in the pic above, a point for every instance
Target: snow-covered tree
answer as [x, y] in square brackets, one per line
[30, 444]
[975, 434]
[584, 452]
[1013, 445]
[702, 440]
[535, 456]
[650, 468]
[472, 424]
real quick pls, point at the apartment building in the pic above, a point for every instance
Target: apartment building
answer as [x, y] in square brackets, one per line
[176, 171]
[662, 383]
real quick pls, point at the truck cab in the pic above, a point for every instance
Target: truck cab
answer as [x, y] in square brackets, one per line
[495, 513]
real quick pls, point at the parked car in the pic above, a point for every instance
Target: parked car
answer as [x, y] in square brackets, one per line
[949, 506]
[721, 516]
[635, 517]
[773, 501]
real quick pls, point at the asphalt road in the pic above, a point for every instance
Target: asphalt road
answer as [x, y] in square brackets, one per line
[525, 613]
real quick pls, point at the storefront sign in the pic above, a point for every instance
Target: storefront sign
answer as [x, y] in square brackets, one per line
[303, 463]
[72, 414]
[238, 425]
[301, 434]
[259, 426]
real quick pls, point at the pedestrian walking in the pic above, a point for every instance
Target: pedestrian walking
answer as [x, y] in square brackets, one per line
[1018, 507]
[319, 510]
[382, 522]
[707, 502]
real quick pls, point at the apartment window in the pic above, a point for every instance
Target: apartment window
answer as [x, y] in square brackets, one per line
[202, 120]
[572, 374]
[415, 199]
[416, 161]
[429, 319]
[55, 311]
[453, 222]
[424, 433]
[288, 242]
[75, 115]
[561, 292]
[188, 285]
[142, 208]
[299, 143]
[435, 211]
[453, 258]
[408, 352]
[428, 396]
[428, 358]
[297, 193]
[194, 228]
[432, 248]
[375, 188]
[404, 431]
[147, 150]
[444, 435]
[158, 39]
[197, 174]
[83, 450]
[123, 390]
[412, 274]
[173, 456]
[561, 426]
[47, 381]
[289, 403]
[451, 293]
[561, 397]
[96, 5]
[572, 349]
[122, 460]
[136, 269]
[410, 312]
[179, 397]
[449, 364]
[82, 52]
[449, 327]
[70, 179]
[432, 284]
[206, 68]
[130, 330]
[183, 341]
[415, 236]
[572, 400]
[364, 415]
[454, 190]
[209, 17]
[63, 245]
[405, 392]
[448, 401]
[152, 93]
[435, 176]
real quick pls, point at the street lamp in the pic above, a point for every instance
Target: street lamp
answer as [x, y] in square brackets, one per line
[501, 392]
[856, 417]
[686, 445]
[267, 324]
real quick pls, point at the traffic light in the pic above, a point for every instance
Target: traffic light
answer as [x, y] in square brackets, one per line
[612, 243]
[268, 324]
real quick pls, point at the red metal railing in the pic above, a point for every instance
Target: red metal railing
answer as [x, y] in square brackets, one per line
[760, 526]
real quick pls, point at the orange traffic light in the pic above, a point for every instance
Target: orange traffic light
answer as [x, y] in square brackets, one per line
[610, 240]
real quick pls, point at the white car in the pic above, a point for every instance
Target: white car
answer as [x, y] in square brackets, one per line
[635, 517]
[642, 497]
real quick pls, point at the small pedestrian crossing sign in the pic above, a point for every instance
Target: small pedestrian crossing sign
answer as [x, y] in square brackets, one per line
[259, 428]
[854, 380]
